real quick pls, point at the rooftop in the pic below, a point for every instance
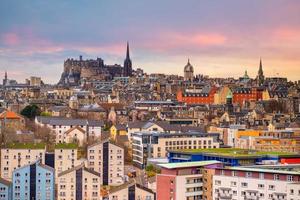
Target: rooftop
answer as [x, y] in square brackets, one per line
[26, 146]
[66, 146]
[234, 152]
[188, 164]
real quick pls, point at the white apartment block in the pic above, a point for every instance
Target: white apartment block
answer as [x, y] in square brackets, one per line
[65, 158]
[156, 145]
[293, 191]
[62, 126]
[78, 183]
[19, 155]
[253, 183]
[108, 160]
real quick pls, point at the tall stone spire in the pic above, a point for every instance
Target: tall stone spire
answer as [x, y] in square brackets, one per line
[127, 71]
[127, 51]
[260, 76]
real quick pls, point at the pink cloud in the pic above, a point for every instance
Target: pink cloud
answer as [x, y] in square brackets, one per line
[287, 34]
[11, 39]
[169, 40]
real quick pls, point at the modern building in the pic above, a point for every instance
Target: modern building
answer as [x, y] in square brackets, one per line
[182, 180]
[78, 183]
[232, 156]
[66, 157]
[107, 159]
[156, 145]
[18, 155]
[34, 181]
[254, 183]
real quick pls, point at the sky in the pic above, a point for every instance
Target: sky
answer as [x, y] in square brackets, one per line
[222, 38]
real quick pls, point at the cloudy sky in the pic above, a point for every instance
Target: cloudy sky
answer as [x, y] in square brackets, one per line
[222, 38]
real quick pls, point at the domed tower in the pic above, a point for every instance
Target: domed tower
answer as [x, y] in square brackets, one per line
[188, 72]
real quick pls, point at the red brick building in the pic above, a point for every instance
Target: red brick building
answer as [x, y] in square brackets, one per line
[197, 97]
[240, 95]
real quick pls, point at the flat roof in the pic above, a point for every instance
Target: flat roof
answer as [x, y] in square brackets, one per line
[25, 146]
[233, 152]
[274, 171]
[188, 164]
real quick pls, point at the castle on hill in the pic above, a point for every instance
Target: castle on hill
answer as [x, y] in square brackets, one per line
[80, 71]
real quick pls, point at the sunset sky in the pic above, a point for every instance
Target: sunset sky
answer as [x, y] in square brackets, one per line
[222, 38]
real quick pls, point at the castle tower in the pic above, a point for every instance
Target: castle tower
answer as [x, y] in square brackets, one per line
[127, 64]
[188, 72]
[260, 76]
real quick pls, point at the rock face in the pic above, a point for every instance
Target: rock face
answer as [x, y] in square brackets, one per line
[78, 71]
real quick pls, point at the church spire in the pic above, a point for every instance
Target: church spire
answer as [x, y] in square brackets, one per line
[260, 76]
[127, 51]
[127, 71]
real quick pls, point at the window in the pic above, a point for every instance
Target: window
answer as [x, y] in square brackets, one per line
[271, 187]
[248, 174]
[244, 184]
[290, 178]
[276, 177]
[261, 176]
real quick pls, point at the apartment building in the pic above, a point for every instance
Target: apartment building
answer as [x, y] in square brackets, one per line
[182, 180]
[257, 182]
[18, 155]
[79, 183]
[63, 127]
[108, 160]
[156, 145]
[5, 189]
[34, 181]
[130, 191]
[66, 157]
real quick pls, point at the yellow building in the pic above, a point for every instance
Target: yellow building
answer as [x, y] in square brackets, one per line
[265, 95]
[117, 130]
[221, 94]
[248, 132]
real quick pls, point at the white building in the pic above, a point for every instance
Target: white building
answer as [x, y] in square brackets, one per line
[253, 183]
[78, 183]
[156, 145]
[64, 127]
[19, 155]
[65, 157]
[108, 160]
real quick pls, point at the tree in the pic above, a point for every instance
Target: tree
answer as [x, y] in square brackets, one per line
[31, 111]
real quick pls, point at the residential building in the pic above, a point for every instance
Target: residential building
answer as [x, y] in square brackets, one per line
[108, 160]
[182, 180]
[78, 183]
[253, 182]
[13, 120]
[156, 145]
[5, 189]
[18, 155]
[64, 127]
[66, 157]
[34, 181]
[130, 191]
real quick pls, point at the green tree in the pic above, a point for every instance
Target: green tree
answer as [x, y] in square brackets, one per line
[31, 111]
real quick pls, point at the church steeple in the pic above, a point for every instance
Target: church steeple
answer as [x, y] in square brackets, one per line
[260, 76]
[127, 51]
[127, 71]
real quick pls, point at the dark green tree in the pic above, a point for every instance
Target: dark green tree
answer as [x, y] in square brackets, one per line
[31, 111]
